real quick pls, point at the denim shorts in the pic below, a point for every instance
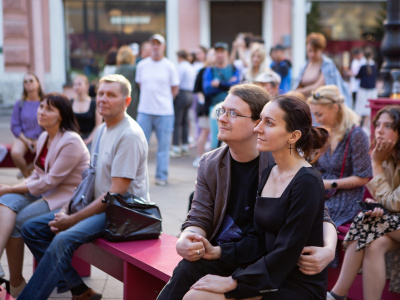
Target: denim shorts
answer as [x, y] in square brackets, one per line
[17, 202]
[26, 206]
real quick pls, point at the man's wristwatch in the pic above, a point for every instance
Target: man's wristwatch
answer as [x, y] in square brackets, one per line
[334, 185]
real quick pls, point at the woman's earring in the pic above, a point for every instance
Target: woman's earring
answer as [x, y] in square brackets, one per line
[290, 148]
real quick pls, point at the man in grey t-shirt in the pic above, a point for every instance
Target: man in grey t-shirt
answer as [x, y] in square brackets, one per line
[121, 168]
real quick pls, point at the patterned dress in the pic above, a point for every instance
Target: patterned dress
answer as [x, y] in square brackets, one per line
[385, 188]
[343, 205]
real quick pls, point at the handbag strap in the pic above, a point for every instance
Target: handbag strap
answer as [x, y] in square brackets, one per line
[96, 150]
[345, 152]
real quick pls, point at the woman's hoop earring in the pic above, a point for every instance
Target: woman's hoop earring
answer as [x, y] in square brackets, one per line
[290, 148]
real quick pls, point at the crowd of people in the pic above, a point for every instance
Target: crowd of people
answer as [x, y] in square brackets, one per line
[287, 167]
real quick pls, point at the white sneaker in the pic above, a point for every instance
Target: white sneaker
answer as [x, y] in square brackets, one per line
[2, 274]
[161, 182]
[185, 152]
[174, 154]
[329, 296]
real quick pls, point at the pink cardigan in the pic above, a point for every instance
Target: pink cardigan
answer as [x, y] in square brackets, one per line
[66, 158]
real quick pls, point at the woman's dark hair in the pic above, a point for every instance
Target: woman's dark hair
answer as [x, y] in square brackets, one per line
[64, 106]
[40, 92]
[394, 112]
[369, 55]
[183, 54]
[298, 117]
[111, 57]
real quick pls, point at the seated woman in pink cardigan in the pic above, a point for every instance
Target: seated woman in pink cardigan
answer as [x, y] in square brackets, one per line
[60, 159]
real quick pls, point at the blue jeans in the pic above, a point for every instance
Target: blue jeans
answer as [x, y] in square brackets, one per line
[163, 126]
[54, 253]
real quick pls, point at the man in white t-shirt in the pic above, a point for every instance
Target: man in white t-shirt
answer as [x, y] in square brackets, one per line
[121, 167]
[158, 80]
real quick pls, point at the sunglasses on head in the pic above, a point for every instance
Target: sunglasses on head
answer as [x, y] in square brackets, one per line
[318, 96]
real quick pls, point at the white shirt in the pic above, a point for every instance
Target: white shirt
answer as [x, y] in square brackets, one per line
[187, 76]
[356, 64]
[156, 79]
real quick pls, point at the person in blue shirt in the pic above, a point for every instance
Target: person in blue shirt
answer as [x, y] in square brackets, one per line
[281, 66]
[217, 81]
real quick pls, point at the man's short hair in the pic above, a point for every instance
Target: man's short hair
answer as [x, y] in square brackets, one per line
[255, 96]
[124, 84]
[268, 76]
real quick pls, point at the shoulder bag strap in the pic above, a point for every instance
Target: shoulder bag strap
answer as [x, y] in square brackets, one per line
[345, 152]
[96, 150]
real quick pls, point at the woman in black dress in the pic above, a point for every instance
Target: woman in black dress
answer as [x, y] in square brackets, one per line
[288, 215]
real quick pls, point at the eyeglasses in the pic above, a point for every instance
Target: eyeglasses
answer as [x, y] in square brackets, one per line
[229, 113]
[28, 80]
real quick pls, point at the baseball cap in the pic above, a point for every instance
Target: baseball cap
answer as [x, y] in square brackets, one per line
[268, 76]
[221, 45]
[279, 47]
[158, 37]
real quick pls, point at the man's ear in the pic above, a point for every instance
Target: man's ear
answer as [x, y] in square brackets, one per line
[127, 101]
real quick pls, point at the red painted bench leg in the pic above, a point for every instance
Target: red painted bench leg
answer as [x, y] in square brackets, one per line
[139, 284]
[81, 266]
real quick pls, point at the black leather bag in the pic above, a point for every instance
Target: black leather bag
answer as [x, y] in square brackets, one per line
[84, 193]
[131, 218]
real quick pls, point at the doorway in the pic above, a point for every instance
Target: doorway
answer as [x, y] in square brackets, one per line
[228, 18]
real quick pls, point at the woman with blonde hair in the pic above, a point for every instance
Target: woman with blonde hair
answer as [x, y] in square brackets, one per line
[126, 67]
[345, 166]
[257, 62]
[84, 108]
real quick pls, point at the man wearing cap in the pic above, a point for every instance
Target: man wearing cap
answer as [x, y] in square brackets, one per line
[217, 80]
[283, 67]
[270, 81]
[158, 80]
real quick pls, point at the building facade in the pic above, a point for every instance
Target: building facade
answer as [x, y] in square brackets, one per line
[58, 38]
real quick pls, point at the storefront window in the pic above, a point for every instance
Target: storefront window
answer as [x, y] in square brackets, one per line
[95, 27]
[347, 25]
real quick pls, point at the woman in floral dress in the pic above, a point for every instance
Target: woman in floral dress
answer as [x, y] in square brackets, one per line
[376, 233]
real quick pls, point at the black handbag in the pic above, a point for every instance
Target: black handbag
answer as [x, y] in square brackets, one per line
[84, 193]
[131, 218]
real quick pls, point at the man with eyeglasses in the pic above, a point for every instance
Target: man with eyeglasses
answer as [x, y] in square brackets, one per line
[226, 187]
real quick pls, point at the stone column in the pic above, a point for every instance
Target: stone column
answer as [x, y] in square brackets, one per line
[172, 38]
[390, 46]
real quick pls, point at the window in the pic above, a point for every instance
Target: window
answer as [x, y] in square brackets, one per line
[94, 27]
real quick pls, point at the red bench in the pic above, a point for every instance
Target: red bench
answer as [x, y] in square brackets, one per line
[4, 295]
[7, 162]
[143, 266]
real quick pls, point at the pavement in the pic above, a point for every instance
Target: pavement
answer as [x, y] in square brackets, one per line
[172, 200]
